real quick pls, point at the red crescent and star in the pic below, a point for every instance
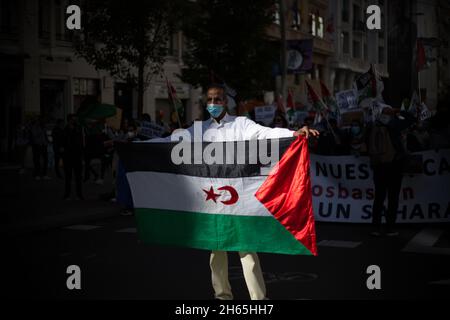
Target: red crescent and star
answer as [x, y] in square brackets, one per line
[211, 195]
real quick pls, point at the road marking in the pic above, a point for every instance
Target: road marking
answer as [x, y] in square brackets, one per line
[82, 227]
[424, 241]
[441, 282]
[127, 230]
[339, 244]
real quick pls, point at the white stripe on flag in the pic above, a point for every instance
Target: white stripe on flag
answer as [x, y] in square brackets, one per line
[185, 193]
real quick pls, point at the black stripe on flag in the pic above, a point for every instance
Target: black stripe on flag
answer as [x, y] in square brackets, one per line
[156, 157]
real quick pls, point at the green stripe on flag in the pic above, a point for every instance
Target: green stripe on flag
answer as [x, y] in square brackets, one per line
[216, 232]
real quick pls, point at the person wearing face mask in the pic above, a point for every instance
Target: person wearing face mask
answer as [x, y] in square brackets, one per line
[223, 127]
[357, 142]
[123, 191]
[279, 121]
[72, 154]
[387, 152]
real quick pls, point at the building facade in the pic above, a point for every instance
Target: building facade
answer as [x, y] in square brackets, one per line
[305, 19]
[343, 47]
[433, 22]
[410, 20]
[41, 75]
[356, 47]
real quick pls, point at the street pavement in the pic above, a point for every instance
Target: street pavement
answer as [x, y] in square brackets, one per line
[44, 235]
[114, 264]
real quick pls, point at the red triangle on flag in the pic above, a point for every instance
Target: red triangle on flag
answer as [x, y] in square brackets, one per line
[287, 194]
[421, 56]
[290, 101]
[324, 89]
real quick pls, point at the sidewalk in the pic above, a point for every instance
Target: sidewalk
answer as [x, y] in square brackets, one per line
[30, 205]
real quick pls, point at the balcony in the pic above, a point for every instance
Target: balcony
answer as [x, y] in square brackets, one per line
[359, 26]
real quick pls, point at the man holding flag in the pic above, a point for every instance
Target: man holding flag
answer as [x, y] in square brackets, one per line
[290, 207]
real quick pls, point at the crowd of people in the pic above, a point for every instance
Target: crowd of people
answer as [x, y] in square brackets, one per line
[340, 138]
[86, 153]
[74, 151]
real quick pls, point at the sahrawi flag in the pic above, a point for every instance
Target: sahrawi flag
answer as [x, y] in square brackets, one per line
[226, 207]
[176, 102]
[315, 99]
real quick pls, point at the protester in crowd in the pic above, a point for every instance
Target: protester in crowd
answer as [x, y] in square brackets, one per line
[440, 125]
[123, 191]
[50, 153]
[39, 142]
[388, 154]
[146, 117]
[72, 152]
[357, 139]
[57, 137]
[279, 120]
[418, 139]
[333, 140]
[94, 150]
[22, 142]
[108, 137]
[218, 128]
[308, 122]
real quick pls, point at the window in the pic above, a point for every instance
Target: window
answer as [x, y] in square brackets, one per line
[312, 18]
[276, 14]
[345, 42]
[296, 19]
[8, 16]
[44, 19]
[320, 28]
[345, 11]
[83, 88]
[356, 49]
[172, 46]
[358, 24]
[381, 55]
[316, 24]
[61, 31]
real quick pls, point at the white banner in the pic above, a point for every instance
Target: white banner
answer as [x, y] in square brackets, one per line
[343, 190]
[346, 101]
[151, 130]
[265, 114]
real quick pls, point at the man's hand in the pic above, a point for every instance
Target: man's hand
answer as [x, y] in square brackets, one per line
[306, 132]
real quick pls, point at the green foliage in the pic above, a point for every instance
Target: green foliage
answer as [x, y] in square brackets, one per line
[123, 36]
[228, 38]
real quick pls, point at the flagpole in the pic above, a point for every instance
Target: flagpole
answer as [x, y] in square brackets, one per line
[420, 91]
[173, 101]
[321, 113]
[331, 129]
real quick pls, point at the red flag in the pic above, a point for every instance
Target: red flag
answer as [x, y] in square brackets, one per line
[421, 56]
[315, 100]
[330, 25]
[325, 91]
[287, 194]
[290, 101]
[328, 98]
[280, 104]
[177, 104]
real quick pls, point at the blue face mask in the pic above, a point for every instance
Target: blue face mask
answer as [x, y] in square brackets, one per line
[215, 110]
[356, 130]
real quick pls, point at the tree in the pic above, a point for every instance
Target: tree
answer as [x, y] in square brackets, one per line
[128, 38]
[227, 38]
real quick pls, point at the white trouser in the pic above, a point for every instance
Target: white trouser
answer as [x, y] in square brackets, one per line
[252, 274]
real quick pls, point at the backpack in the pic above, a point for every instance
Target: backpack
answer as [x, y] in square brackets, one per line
[380, 147]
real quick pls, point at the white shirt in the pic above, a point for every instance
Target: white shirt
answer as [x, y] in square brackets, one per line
[230, 128]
